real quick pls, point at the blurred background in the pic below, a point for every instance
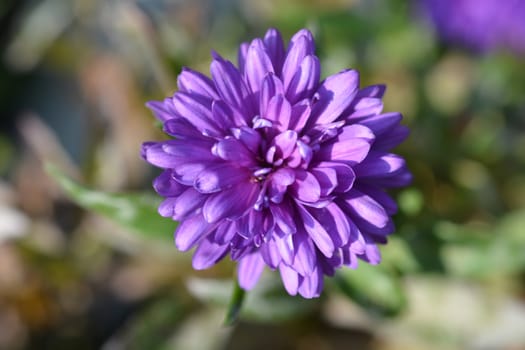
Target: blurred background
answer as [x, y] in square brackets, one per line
[85, 263]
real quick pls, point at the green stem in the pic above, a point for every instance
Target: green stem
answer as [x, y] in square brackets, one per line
[235, 306]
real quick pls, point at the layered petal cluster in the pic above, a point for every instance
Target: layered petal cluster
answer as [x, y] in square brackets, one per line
[275, 168]
[480, 25]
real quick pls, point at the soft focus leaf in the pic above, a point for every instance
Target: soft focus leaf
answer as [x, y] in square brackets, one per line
[136, 211]
[374, 287]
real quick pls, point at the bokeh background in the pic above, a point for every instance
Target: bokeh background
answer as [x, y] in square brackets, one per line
[85, 263]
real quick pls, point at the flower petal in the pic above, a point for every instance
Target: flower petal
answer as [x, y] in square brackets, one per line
[305, 259]
[306, 187]
[250, 269]
[305, 79]
[379, 164]
[191, 230]
[290, 279]
[257, 66]
[317, 233]
[166, 186]
[334, 95]
[231, 87]
[351, 151]
[275, 46]
[327, 178]
[163, 110]
[208, 253]
[312, 285]
[231, 203]
[234, 150]
[285, 143]
[301, 45]
[196, 83]
[368, 214]
[197, 110]
[220, 177]
[278, 112]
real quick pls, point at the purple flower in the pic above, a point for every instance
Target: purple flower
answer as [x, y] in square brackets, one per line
[276, 168]
[480, 25]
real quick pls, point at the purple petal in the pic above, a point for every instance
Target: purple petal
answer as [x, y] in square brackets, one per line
[285, 143]
[208, 253]
[335, 94]
[166, 186]
[231, 87]
[356, 131]
[312, 285]
[305, 80]
[257, 66]
[379, 196]
[185, 173]
[365, 107]
[283, 217]
[279, 182]
[349, 151]
[191, 230]
[368, 214]
[290, 279]
[186, 203]
[379, 164]
[392, 138]
[327, 178]
[382, 123]
[250, 269]
[241, 56]
[219, 177]
[231, 203]
[182, 129]
[345, 175]
[169, 154]
[306, 187]
[317, 233]
[335, 221]
[300, 115]
[163, 110]
[372, 255]
[225, 232]
[372, 91]
[305, 259]
[166, 207]
[275, 46]
[271, 86]
[285, 246]
[249, 137]
[278, 112]
[298, 50]
[196, 83]
[196, 110]
[234, 151]
[270, 254]
[224, 116]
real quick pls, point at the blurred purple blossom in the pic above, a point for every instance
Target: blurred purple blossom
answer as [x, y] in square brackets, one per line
[276, 168]
[480, 25]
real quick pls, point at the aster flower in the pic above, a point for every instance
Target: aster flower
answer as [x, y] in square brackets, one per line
[276, 168]
[479, 25]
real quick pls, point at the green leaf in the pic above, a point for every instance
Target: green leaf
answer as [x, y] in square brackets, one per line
[136, 211]
[373, 286]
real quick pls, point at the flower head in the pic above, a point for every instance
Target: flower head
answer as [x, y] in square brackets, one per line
[276, 168]
[480, 25]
